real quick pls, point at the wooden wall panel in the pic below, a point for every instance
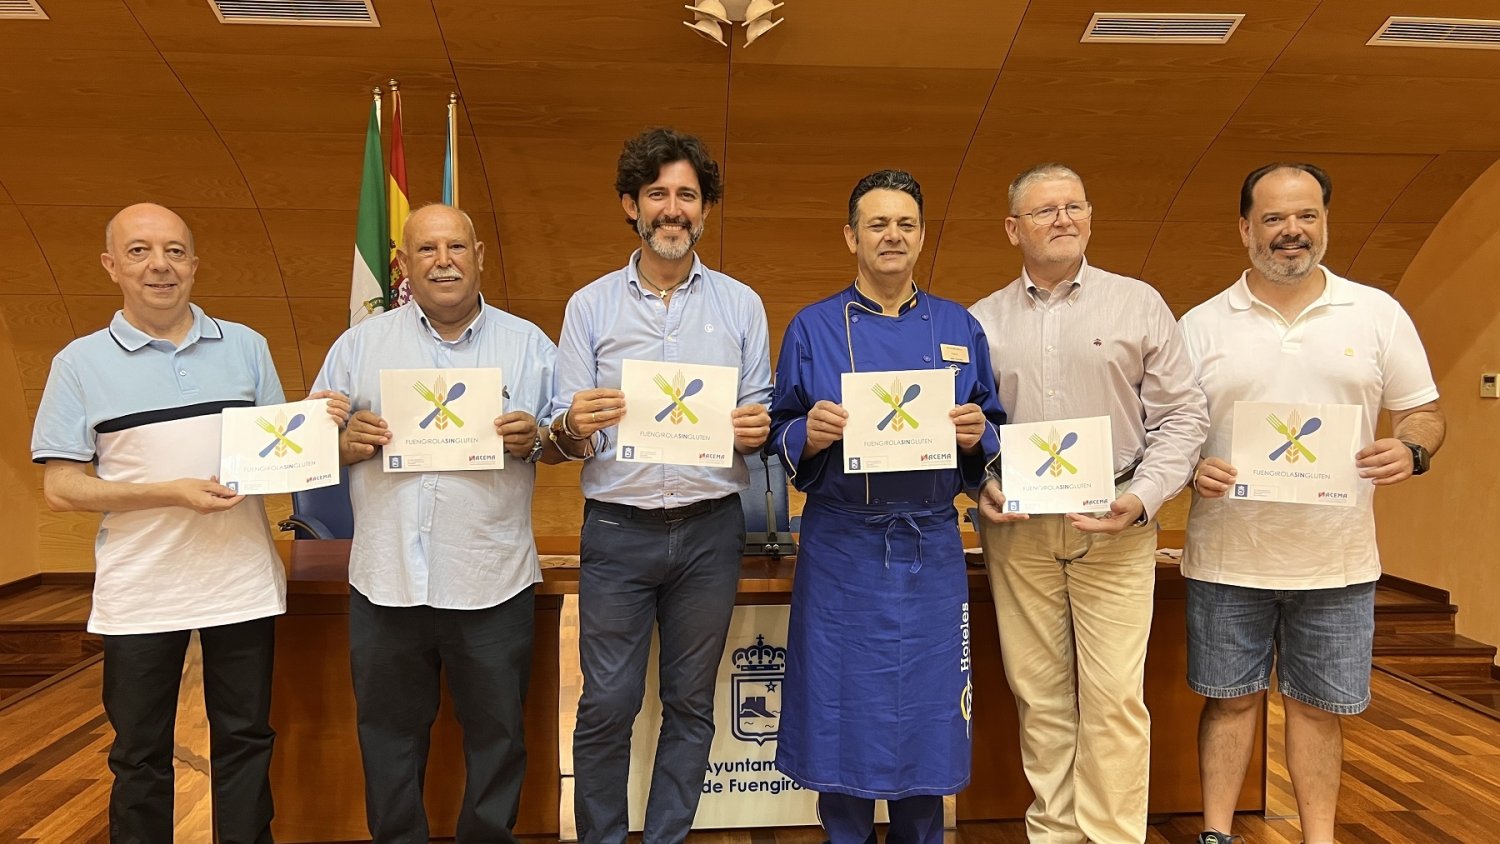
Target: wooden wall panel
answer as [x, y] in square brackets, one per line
[778, 181]
[799, 261]
[1360, 113]
[555, 30]
[272, 317]
[91, 313]
[115, 167]
[527, 175]
[406, 29]
[26, 268]
[314, 250]
[775, 104]
[39, 328]
[1333, 41]
[1436, 188]
[596, 100]
[92, 89]
[78, 22]
[317, 322]
[1388, 251]
[887, 34]
[317, 171]
[1364, 186]
[72, 236]
[1133, 181]
[292, 93]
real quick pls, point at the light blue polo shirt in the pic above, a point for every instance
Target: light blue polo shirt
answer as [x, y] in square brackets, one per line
[147, 410]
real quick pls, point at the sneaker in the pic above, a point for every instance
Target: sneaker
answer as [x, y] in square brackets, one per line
[1219, 838]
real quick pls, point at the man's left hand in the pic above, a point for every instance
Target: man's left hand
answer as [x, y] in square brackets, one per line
[752, 425]
[1386, 461]
[1123, 512]
[338, 405]
[968, 423]
[518, 430]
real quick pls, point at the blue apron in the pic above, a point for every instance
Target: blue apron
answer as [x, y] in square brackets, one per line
[877, 692]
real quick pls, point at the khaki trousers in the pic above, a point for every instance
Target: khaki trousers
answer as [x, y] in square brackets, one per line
[1074, 611]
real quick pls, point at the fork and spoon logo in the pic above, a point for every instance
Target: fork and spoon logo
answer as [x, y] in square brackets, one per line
[280, 443]
[441, 396]
[1054, 448]
[1294, 429]
[898, 418]
[677, 408]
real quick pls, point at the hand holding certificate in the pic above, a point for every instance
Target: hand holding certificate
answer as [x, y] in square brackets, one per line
[1296, 453]
[899, 421]
[1058, 466]
[279, 448]
[679, 413]
[442, 419]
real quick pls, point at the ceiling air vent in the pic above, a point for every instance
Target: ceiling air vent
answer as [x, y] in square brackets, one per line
[1438, 32]
[22, 9]
[296, 12]
[1160, 28]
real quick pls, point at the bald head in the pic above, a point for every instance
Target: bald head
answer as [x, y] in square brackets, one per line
[432, 215]
[145, 213]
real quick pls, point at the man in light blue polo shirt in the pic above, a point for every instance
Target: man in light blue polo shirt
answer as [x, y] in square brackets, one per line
[661, 544]
[443, 565]
[176, 551]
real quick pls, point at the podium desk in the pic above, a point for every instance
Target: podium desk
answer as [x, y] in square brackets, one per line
[316, 775]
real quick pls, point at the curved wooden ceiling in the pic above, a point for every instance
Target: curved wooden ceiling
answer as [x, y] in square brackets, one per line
[254, 133]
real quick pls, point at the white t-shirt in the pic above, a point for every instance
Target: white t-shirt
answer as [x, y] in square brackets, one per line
[1353, 345]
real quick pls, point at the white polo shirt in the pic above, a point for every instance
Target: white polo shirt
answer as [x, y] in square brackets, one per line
[148, 411]
[1354, 345]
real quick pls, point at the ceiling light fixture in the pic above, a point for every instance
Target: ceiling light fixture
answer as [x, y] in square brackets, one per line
[711, 16]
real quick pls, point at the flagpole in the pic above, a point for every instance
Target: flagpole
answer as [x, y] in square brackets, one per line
[451, 165]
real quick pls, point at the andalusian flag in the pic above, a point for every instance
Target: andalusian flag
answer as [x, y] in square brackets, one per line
[450, 155]
[368, 293]
[400, 292]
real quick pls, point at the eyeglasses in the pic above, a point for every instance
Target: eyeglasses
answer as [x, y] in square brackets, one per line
[1047, 216]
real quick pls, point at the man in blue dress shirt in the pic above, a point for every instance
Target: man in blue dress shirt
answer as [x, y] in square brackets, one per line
[876, 703]
[443, 565]
[661, 544]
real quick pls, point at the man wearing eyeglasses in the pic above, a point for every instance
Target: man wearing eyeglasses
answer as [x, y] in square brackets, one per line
[1073, 593]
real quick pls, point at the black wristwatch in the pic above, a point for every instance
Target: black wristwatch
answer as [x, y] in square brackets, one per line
[536, 449]
[1421, 459]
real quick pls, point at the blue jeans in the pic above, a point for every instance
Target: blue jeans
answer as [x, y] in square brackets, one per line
[1320, 640]
[638, 570]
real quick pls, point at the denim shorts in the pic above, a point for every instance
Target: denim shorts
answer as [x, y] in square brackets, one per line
[1320, 639]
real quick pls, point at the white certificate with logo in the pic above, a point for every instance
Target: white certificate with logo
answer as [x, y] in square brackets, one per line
[677, 413]
[1296, 453]
[278, 448]
[898, 421]
[1058, 466]
[442, 420]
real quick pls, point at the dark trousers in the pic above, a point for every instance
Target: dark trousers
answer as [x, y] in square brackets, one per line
[851, 820]
[638, 572]
[142, 675]
[398, 655]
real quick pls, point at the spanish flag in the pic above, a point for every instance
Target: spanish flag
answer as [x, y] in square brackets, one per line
[400, 208]
[368, 293]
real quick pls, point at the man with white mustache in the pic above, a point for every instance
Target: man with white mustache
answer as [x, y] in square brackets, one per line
[1292, 584]
[661, 544]
[443, 567]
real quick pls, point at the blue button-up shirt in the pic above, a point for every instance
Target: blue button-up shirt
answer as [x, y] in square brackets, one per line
[711, 319]
[453, 540]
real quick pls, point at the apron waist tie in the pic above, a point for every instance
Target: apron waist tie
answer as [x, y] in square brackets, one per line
[892, 521]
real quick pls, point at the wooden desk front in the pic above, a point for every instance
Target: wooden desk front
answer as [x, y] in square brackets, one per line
[319, 788]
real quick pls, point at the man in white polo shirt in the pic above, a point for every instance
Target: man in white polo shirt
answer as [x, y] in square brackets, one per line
[1292, 584]
[176, 551]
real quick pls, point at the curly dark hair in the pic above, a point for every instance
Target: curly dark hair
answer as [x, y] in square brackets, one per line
[1247, 190]
[644, 155]
[884, 180]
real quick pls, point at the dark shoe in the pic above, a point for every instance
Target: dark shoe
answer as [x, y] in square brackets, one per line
[1218, 838]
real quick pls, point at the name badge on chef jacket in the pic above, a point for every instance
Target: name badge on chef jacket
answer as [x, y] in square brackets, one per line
[954, 354]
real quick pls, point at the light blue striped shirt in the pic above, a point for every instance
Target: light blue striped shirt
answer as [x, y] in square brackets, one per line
[712, 319]
[453, 540]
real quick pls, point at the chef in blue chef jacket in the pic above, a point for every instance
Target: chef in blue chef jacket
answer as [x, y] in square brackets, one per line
[876, 702]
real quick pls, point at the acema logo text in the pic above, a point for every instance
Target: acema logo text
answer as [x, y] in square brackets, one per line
[481, 458]
[936, 455]
[312, 479]
[1095, 502]
[710, 455]
[1333, 496]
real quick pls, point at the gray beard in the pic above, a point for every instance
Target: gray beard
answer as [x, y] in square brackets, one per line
[1264, 260]
[664, 250]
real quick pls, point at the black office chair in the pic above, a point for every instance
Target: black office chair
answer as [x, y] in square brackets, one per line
[768, 528]
[323, 513]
